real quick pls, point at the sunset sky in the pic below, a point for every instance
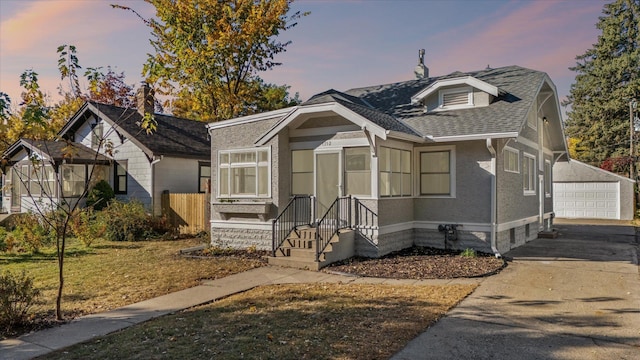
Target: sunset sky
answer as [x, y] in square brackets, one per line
[340, 45]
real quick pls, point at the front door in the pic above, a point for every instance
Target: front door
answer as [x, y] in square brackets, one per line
[328, 184]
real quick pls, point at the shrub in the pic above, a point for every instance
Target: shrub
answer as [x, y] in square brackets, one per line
[17, 295]
[125, 221]
[100, 195]
[3, 236]
[87, 227]
[31, 233]
[468, 252]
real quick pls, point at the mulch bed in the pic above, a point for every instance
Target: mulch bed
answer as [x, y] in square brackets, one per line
[421, 263]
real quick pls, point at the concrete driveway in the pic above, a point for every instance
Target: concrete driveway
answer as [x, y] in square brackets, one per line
[574, 297]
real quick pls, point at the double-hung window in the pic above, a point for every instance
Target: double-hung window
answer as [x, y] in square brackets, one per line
[529, 174]
[511, 160]
[436, 172]
[244, 173]
[204, 177]
[395, 172]
[357, 171]
[120, 177]
[302, 172]
[73, 180]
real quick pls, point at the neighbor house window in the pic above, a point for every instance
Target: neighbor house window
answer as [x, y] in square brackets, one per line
[73, 180]
[204, 177]
[547, 178]
[529, 174]
[35, 178]
[302, 172]
[436, 172]
[23, 178]
[120, 178]
[357, 171]
[456, 98]
[49, 181]
[244, 173]
[511, 160]
[96, 135]
[395, 172]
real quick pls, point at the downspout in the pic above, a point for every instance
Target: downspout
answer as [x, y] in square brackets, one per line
[494, 194]
[153, 184]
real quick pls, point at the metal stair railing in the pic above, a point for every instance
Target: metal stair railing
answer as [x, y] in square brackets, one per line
[298, 212]
[365, 221]
[337, 217]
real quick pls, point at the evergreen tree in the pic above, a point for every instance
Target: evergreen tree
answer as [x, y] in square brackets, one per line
[608, 77]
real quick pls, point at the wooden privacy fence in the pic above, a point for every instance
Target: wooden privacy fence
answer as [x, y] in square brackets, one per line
[187, 213]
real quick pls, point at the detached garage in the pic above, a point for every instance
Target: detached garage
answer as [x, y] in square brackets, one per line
[587, 192]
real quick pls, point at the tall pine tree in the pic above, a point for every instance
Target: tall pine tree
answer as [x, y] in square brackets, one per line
[608, 77]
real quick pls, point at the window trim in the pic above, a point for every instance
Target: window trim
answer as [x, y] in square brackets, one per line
[116, 183]
[452, 171]
[533, 176]
[466, 89]
[380, 172]
[201, 164]
[257, 150]
[516, 152]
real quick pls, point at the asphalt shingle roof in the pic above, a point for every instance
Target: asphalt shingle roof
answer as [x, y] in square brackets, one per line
[61, 150]
[518, 87]
[173, 136]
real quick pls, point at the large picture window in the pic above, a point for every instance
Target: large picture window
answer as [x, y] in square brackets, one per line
[357, 171]
[395, 172]
[244, 173]
[302, 172]
[529, 174]
[435, 173]
[73, 180]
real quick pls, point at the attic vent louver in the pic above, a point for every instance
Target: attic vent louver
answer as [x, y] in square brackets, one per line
[456, 98]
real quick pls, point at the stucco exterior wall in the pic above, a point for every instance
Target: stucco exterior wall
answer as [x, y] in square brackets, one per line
[512, 203]
[472, 202]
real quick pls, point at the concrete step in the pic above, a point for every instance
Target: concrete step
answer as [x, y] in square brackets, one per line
[303, 254]
[294, 263]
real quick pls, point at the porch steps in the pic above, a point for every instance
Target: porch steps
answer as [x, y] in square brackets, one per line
[299, 250]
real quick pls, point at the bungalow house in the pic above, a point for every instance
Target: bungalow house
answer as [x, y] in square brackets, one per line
[107, 142]
[456, 161]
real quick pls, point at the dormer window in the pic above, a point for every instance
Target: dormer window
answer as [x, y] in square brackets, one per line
[455, 98]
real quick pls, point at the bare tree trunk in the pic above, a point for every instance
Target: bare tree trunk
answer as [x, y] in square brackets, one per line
[61, 245]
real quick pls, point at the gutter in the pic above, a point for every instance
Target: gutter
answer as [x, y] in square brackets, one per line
[153, 184]
[494, 200]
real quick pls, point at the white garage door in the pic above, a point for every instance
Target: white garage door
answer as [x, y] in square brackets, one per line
[594, 200]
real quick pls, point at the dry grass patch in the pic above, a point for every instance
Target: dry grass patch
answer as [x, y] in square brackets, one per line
[113, 274]
[308, 321]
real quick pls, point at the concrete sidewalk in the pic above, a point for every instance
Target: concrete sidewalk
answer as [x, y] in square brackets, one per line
[574, 297]
[87, 327]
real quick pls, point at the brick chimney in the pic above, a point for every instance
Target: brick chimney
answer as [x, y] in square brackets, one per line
[144, 99]
[421, 70]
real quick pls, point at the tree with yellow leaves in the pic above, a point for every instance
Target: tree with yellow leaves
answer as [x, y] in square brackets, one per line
[209, 54]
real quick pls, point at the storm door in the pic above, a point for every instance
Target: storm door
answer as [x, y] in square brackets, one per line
[328, 180]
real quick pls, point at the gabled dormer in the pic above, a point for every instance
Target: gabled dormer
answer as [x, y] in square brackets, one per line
[459, 92]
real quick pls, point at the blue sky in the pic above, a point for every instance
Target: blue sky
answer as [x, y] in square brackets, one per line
[340, 45]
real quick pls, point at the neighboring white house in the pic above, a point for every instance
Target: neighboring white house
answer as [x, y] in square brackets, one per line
[138, 165]
[587, 192]
[473, 149]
